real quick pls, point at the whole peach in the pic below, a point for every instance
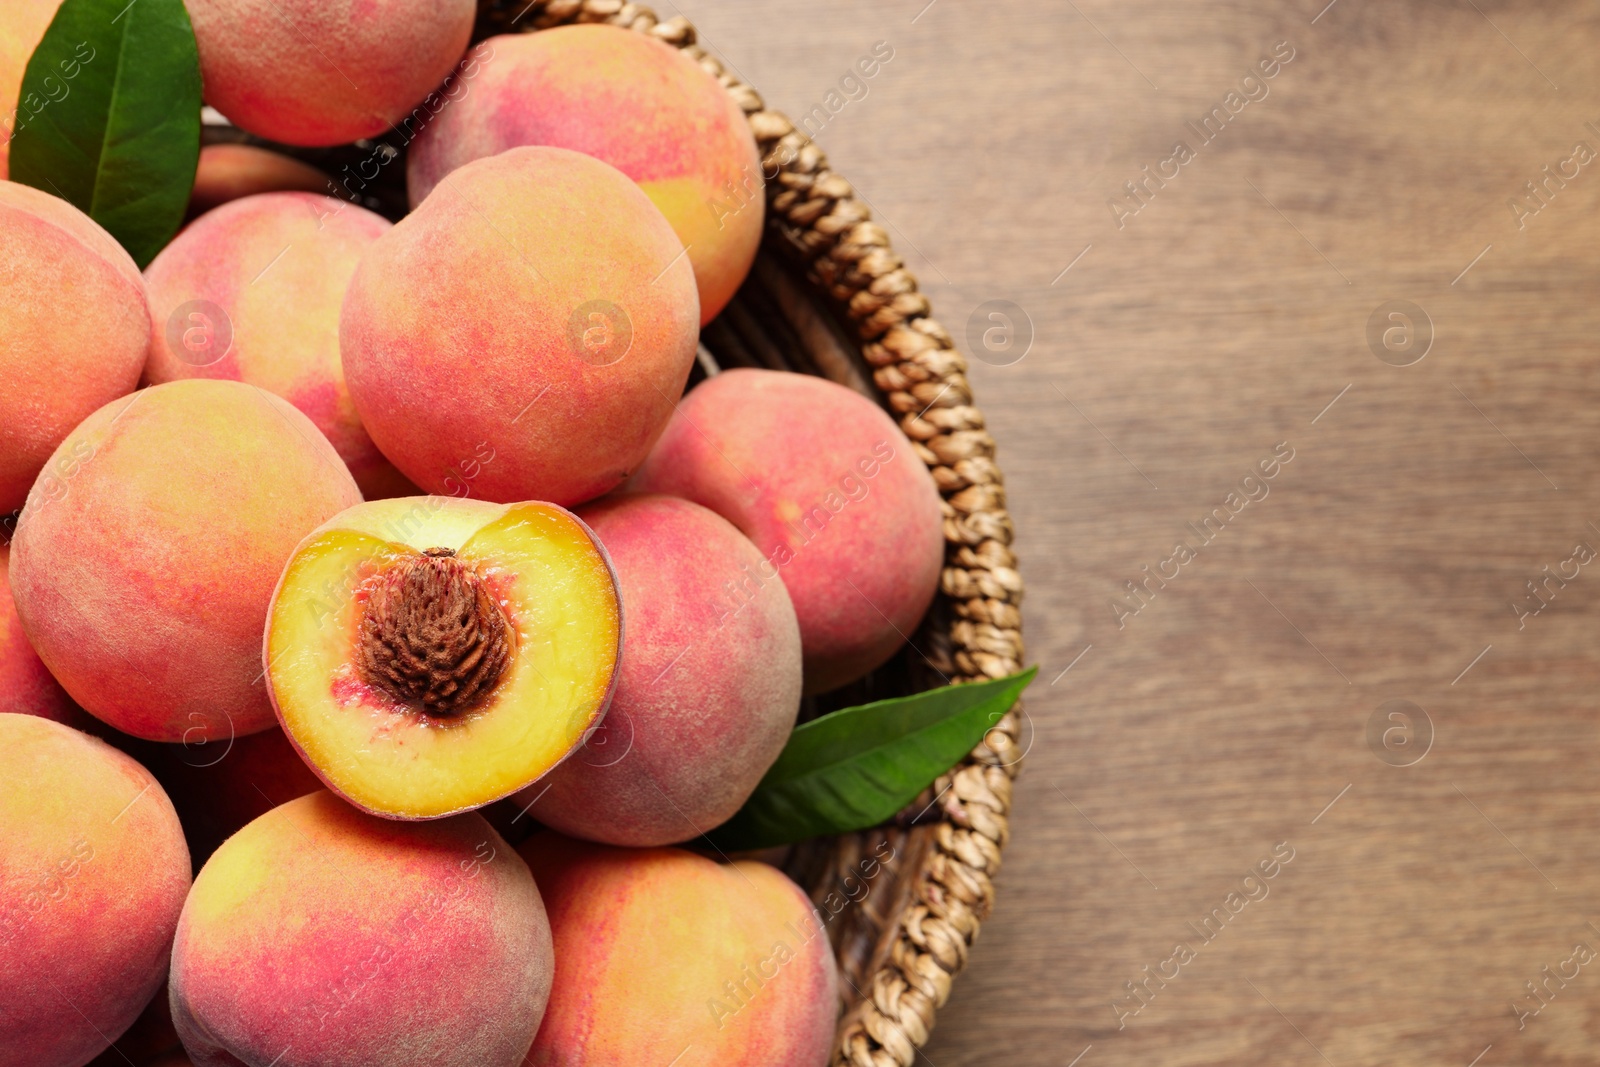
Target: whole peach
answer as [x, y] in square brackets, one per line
[92, 878]
[664, 957]
[831, 492]
[709, 688]
[322, 72]
[526, 330]
[635, 102]
[251, 292]
[320, 936]
[22, 26]
[235, 171]
[74, 332]
[146, 556]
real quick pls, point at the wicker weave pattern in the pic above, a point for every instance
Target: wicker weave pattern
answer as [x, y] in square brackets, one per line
[901, 947]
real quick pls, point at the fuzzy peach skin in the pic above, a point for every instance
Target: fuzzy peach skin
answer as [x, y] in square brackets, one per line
[74, 332]
[536, 307]
[26, 685]
[635, 102]
[148, 1041]
[323, 72]
[22, 26]
[830, 491]
[145, 559]
[235, 171]
[92, 878]
[709, 687]
[320, 936]
[665, 957]
[277, 265]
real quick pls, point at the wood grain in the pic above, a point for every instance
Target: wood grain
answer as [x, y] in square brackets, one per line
[1383, 563]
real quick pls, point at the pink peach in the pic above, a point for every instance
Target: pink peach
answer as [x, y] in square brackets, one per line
[639, 104]
[525, 331]
[92, 878]
[709, 687]
[320, 936]
[146, 556]
[251, 292]
[830, 491]
[322, 72]
[664, 957]
[74, 332]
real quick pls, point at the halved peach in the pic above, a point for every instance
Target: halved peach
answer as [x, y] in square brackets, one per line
[429, 655]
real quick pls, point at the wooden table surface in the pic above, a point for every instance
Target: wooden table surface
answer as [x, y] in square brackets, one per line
[1440, 462]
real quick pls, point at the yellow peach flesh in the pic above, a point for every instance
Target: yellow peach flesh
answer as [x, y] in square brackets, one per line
[553, 585]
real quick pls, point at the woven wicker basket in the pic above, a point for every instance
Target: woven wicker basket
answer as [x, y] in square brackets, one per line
[829, 296]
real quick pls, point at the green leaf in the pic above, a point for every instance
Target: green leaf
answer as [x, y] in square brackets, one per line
[109, 117]
[855, 768]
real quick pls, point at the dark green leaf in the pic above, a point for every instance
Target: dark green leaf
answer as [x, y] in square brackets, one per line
[855, 768]
[109, 117]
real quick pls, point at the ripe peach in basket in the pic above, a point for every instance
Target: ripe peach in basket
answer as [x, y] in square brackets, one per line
[319, 936]
[635, 102]
[524, 333]
[665, 957]
[322, 72]
[145, 559]
[830, 491]
[251, 292]
[73, 333]
[709, 685]
[92, 877]
[428, 655]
